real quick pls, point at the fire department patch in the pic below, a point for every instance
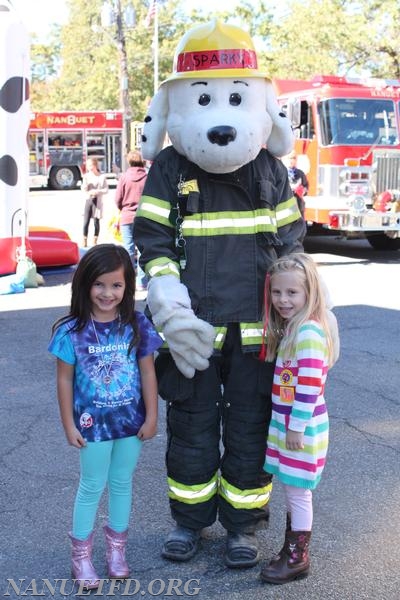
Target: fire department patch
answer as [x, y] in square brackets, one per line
[286, 377]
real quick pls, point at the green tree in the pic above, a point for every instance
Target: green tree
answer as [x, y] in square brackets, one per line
[80, 66]
[88, 62]
[89, 77]
[335, 37]
[44, 68]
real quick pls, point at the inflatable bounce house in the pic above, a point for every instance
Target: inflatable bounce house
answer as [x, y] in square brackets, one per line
[45, 247]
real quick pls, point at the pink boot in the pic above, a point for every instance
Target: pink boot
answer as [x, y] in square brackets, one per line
[82, 566]
[115, 553]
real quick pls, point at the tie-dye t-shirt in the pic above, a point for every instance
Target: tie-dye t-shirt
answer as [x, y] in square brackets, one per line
[108, 403]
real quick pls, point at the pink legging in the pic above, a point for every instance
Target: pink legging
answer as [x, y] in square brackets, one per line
[299, 505]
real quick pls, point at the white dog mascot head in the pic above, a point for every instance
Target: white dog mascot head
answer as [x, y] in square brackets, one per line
[217, 108]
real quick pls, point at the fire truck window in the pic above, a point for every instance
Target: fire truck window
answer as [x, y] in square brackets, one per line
[65, 139]
[354, 121]
[328, 122]
[95, 144]
[307, 130]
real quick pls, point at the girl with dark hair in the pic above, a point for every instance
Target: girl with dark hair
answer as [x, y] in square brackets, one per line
[107, 393]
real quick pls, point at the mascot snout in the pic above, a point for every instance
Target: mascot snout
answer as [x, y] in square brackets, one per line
[222, 135]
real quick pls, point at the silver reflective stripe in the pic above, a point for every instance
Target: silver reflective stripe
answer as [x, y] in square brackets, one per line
[150, 207]
[187, 493]
[256, 332]
[228, 223]
[171, 267]
[248, 499]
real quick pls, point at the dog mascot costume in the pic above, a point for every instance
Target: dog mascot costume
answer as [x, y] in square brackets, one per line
[216, 211]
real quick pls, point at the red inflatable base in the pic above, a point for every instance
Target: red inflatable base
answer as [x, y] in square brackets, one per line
[47, 247]
[53, 252]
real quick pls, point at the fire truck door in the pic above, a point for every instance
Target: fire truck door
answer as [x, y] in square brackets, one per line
[112, 149]
[35, 152]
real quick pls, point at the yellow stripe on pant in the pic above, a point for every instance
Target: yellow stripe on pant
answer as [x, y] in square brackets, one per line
[192, 494]
[247, 499]
[202, 492]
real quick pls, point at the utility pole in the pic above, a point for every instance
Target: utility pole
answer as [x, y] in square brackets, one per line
[112, 14]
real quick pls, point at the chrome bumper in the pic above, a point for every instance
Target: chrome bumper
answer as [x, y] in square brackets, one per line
[369, 220]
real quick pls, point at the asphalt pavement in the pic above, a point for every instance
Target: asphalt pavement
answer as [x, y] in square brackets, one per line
[355, 540]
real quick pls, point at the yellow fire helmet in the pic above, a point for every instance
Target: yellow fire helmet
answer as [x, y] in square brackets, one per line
[213, 50]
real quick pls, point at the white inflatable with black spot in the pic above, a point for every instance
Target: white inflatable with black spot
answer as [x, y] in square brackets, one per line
[14, 125]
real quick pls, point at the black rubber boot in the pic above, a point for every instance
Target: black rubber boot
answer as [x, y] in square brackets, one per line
[241, 550]
[181, 544]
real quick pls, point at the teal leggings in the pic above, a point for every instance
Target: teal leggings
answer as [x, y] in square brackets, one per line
[111, 462]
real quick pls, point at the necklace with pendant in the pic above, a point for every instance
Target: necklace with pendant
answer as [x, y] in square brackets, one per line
[102, 364]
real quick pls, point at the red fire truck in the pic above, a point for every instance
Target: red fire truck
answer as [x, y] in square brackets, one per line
[61, 142]
[348, 144]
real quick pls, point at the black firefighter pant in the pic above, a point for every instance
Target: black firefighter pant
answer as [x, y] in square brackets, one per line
[218, 421]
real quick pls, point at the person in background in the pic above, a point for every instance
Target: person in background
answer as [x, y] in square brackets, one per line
[127, 196]
[299, 333]
[107, 394]
[95, 185]
[298, 180]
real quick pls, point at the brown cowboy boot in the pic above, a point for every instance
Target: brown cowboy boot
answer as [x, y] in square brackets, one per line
[294, 562]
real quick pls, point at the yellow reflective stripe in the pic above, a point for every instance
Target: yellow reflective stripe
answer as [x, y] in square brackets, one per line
[241, 222]
[287, 212]
[251, 333]
[220, 337]
[162, 266]
[255, 498]
[155, 210]
[224, 223]
[218, 342]
[192, 494]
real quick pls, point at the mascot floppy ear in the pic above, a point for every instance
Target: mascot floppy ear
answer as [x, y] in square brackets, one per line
[281, 139]
[155, 124]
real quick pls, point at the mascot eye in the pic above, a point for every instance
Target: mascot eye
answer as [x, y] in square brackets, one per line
[204, 99]
[235, 99]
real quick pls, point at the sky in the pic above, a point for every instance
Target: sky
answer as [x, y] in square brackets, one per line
[38, 15]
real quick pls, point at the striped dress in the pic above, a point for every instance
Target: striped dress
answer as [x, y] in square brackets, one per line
[298, 404]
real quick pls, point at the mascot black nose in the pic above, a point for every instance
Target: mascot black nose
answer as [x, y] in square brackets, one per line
[221, 135]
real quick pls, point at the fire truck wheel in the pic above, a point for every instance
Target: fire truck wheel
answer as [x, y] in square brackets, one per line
[381, 241]
[64, 178]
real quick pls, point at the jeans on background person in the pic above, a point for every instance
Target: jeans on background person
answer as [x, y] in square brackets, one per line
[129, 244]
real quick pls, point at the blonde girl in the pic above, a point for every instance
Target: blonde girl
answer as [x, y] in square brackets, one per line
[299, 335]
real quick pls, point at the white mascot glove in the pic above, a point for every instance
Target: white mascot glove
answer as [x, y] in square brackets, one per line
[190, 340]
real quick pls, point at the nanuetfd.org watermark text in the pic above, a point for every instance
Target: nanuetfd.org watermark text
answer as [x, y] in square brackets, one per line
[107, 587]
